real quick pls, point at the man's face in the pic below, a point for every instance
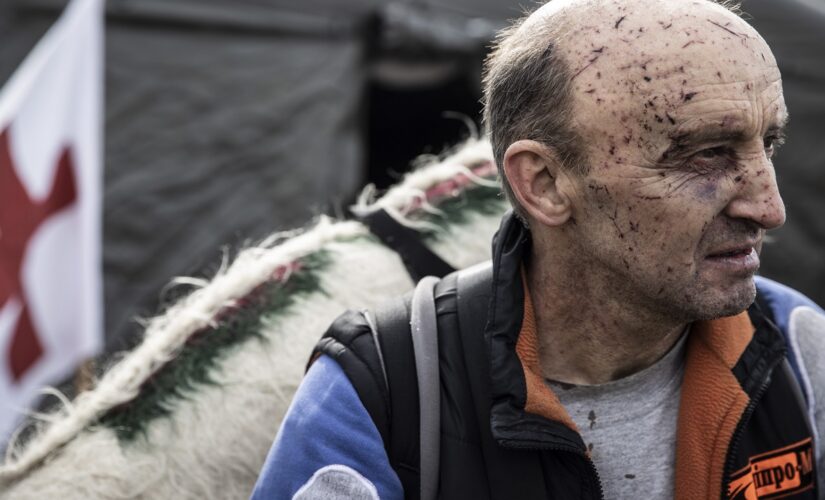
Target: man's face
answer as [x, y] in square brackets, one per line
[680, 112]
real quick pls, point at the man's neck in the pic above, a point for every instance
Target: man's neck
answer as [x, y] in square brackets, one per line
[588, 333]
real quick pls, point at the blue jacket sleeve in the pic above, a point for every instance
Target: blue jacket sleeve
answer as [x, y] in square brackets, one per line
[326, 424]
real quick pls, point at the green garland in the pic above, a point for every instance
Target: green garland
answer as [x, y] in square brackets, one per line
[206, 348]
[474, 199]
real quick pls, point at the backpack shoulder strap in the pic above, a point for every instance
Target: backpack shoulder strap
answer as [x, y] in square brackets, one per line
[424, 327]
[392, 322]
[409, 343]
[407, 339]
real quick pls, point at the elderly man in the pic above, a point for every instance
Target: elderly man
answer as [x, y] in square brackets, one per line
[613, 348]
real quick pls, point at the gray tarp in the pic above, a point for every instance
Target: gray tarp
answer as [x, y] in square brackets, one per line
[224, 122]
[226, 119]
[214, 138]
[795, 30]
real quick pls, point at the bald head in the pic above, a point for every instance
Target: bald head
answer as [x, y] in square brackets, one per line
[599, 76]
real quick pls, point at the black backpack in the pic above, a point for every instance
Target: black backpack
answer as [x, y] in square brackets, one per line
[397, 346]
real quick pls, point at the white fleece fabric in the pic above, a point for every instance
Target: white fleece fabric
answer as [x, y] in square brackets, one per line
[215, 440]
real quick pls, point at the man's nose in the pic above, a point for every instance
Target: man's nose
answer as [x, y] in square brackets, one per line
[757, 198]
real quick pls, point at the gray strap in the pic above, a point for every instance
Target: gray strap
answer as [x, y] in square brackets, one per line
[374, 331]
[424, 330]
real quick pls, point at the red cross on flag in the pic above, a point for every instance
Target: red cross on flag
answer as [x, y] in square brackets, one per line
[50, 196]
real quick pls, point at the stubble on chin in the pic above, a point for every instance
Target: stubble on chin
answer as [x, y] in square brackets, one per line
[709, 304]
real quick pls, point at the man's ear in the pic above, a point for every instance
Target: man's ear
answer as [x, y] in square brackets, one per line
[539, 182]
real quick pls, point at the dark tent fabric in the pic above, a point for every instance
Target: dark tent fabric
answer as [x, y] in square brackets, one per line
[215, 138]
[223, 124]
[228, 120]
[795, 30]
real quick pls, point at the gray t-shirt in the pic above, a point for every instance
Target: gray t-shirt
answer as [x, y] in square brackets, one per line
[629, 425]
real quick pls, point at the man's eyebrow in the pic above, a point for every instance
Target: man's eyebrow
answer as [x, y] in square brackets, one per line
[716, 132]
[779, 126]
[682, 139]
[708, 133]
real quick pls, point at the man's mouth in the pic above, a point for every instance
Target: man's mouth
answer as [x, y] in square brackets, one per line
[738, 259]
[736, 252]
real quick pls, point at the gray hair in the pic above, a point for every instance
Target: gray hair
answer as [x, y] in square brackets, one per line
[527, 96]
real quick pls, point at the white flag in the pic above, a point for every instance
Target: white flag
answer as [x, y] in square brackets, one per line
[50, 197]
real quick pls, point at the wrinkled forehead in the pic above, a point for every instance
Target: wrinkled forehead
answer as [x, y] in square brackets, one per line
[699, 34]
[632, 23]
[623, 53]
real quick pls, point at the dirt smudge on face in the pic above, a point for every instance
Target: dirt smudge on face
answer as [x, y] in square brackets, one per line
[597, 188]
[589, 63]
[726, 29]
[614, 219]
[616, 26]
[688, 44]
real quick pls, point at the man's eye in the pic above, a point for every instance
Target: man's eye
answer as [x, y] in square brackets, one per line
[771, 143]
[712, 153]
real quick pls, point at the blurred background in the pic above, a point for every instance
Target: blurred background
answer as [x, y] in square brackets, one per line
[226, 121]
